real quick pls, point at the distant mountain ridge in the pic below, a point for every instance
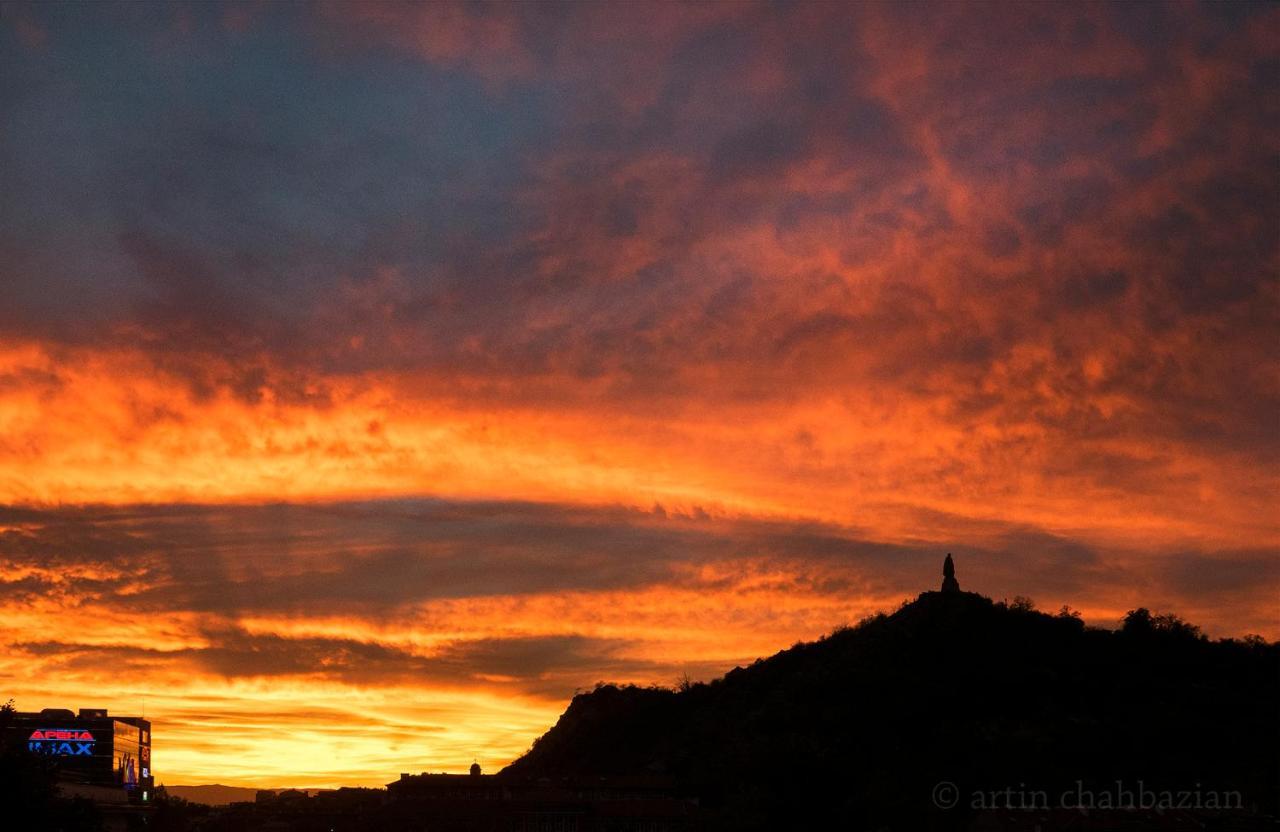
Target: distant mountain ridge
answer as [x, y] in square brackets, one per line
[860, 727]
[216, 794]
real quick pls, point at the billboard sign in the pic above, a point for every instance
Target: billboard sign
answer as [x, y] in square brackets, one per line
[61, 742]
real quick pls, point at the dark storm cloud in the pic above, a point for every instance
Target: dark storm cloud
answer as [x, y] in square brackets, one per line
[534, 664]
[1223, 575]
[171, 175]
[366, 557]
[375, 560]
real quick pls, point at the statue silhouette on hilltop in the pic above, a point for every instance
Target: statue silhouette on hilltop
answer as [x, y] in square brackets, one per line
[949, 582]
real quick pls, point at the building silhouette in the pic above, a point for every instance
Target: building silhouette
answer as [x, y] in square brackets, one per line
[477, 801]
[101, 757]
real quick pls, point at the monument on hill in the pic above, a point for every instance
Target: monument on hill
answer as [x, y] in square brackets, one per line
[949, 582]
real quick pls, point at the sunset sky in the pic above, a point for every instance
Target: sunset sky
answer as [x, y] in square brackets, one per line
[373, 376]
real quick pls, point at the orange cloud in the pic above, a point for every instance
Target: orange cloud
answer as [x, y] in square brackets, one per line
[106, 427]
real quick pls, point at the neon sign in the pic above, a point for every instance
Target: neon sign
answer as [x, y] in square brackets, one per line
[59, 742]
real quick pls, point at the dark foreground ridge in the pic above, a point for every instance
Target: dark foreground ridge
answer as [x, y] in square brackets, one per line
[955, 712]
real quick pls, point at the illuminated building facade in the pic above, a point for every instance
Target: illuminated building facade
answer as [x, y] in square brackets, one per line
[110, 756]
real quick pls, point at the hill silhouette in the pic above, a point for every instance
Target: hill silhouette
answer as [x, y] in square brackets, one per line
[214, 794]
[856, 730]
